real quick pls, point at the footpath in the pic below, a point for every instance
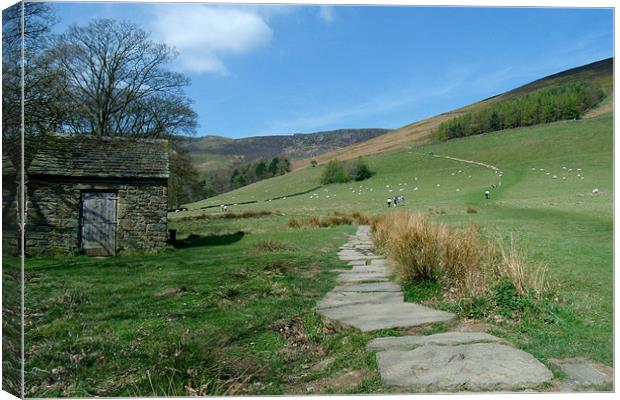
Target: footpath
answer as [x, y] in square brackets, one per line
[367, 299]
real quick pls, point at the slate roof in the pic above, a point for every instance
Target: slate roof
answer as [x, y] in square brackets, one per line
[103, 157]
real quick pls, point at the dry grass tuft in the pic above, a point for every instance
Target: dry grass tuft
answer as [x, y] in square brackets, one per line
[271, 246]
[335, 219]
[231, 215]
[294, 223]
[471, 210]
[461, 260]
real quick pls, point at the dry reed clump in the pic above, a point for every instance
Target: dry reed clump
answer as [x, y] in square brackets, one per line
[471, 210]
[294, 223]
[232, 215]
[270, 246]
[335, 219]
[461, 260]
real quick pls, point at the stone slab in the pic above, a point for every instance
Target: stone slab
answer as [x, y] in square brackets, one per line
[360, 262]
[442, 339]
[371, 317]
[582, 372]
[361, 277]
[369, 287]
[339, 299]
[467, 367]
[360, 269]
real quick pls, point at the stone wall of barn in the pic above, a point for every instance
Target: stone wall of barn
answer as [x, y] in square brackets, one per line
[53, 215]
[10, 229]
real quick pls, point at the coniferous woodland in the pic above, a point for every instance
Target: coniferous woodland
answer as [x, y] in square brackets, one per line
[562, 102]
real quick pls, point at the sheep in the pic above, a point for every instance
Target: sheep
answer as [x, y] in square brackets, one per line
[595, 191]
[487, 194]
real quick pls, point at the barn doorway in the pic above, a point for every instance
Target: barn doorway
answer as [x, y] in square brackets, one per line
[98, 226]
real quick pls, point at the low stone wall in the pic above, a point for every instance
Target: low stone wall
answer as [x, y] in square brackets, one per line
[53, 214]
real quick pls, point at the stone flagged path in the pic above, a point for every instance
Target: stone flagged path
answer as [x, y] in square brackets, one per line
[366, 299]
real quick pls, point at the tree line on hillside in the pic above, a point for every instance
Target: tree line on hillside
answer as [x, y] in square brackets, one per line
[105, 78]
[546, 105]
[257, 171]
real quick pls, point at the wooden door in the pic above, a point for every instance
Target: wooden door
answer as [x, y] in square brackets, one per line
[98, 236]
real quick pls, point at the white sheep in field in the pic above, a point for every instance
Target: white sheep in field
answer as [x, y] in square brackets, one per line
[595, 191]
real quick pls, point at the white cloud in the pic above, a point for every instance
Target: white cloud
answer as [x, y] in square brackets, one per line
[326, 13]
[204, 34]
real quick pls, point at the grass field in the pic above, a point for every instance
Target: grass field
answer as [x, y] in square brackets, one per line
[238, 316]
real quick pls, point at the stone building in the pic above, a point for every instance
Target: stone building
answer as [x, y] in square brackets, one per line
[9, 205]
[96, 196]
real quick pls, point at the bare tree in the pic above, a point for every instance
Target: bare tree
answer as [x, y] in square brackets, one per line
[117, 83]
[41, 83]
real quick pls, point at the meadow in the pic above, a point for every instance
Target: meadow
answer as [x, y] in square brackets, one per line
[229, 309]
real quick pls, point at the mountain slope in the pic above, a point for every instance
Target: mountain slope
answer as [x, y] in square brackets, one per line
[213, 153]
[421, 132]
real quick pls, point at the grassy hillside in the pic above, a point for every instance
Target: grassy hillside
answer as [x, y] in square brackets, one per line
[214, 153]
[556, 221]
[421, 132]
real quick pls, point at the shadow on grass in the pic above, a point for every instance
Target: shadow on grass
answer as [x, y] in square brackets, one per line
[211, 240]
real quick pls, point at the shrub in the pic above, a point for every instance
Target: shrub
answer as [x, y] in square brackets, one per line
[361, 171]
[338, 172]
[334, 173]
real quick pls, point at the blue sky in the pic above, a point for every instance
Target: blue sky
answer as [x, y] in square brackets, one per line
[259, 70]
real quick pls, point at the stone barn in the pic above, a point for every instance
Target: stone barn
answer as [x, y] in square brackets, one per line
[96, 195]
[10, 186]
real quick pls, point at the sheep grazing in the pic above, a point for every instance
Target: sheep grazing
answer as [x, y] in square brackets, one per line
[533, 169]
[548, 173]
[487, 194]
[578, 169]
[570, 170]
[555, 177]
[438, 185]
[595, 191]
